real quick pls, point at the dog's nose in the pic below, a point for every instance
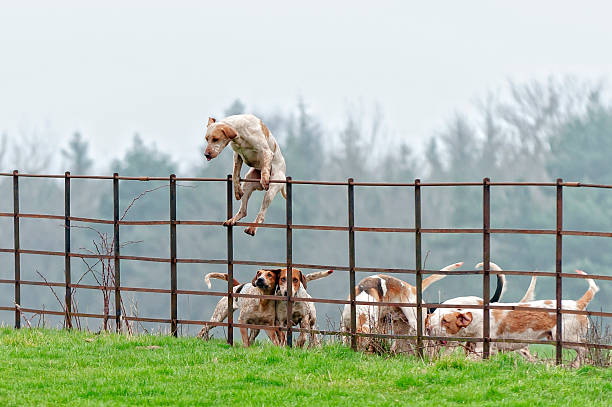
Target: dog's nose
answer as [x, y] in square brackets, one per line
[208, 156]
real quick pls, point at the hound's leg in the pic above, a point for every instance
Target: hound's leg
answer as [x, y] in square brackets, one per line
[282, 335]
[273, 335]
[266, 169]
[314, 339]
[238, 191]
[253, 334]
[245, 336]
[219, 314]
[248, 188]
[268, 197]
[304, 324]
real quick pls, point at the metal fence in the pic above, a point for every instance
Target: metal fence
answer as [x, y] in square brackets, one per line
[418, 231]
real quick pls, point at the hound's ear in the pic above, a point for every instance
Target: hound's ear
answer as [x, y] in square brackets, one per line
[464, 319]
[211, 120]
[302, 278]
[276, 274]
[229, 131]
[255, 278]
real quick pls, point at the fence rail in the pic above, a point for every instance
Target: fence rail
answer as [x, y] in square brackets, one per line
[289, 226]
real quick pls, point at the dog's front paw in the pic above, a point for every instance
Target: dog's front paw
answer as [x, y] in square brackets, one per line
[229, 222]
[265, 182]
[238, 192]
[250, 230]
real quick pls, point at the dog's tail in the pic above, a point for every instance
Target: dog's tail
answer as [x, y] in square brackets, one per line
[500, 290]
[437, 277]
[284, 191]
[220, 276]
[317, 275]
[529, 294]
[590, 293]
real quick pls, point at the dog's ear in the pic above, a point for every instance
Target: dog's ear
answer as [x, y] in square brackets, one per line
[464, 319]
[211, 120]
[255, 278]
[229, 131]
[302, 278]
[276, 275]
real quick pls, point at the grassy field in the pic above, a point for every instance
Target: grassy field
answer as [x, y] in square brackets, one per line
[45, 367]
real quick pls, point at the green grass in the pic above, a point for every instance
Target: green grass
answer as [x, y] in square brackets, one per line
[45, 367]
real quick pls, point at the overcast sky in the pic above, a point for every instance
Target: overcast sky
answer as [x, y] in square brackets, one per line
[161, 71]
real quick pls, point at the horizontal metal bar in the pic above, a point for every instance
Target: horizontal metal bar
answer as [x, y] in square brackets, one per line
[314, 227]
[306, 182]
[201, 261]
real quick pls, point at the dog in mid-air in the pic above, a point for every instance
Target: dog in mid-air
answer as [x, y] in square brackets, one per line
[254, 145]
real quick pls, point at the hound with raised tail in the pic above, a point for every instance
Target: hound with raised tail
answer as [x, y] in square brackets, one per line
[450, 347]
[254, 145]
[384, 288]
[519, 323]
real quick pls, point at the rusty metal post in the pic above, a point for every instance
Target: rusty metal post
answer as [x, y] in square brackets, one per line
[486, 259]
[116, 249]
[289, 213]
[230, 264]
[67, 278]
[351, 225]
[558, 279]
[17, 248]
[173, 284]
[418, 265]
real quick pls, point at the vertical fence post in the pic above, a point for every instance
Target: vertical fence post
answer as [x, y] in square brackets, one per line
[289, 213]
[67, 278]
[351, 226]
[173, 285]
[418, 265]
[486, 258]
[17, 248]
[558, 279]
[116, 250]
[230, 263]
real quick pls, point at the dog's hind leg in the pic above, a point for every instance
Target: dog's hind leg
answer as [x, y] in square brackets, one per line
[248, 188]
[253, 334]
[219, 314]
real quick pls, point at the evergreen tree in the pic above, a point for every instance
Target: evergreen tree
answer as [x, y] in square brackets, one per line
[77, 155]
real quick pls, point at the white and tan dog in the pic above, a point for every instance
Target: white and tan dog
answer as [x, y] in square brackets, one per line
[256, 311]
[383, 288]
[434, 346]
[303, 313]
[518, 324]
[254, 145]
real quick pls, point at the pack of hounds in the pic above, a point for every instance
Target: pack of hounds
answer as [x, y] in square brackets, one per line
[254, 145]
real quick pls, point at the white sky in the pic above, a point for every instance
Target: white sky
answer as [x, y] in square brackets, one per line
[162, 70]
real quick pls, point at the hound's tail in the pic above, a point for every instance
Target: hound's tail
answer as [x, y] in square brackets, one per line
[437, 277]
[220, 276]
[317, 275]
[590, 293]
[529, 294]
[500, 290]
[284, 191]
